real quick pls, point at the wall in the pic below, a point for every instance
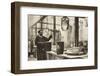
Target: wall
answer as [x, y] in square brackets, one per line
[5, 38]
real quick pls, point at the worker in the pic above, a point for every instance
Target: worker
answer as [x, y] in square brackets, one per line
[41, 52]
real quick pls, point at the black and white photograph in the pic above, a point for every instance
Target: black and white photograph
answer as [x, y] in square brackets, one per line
[52, 37]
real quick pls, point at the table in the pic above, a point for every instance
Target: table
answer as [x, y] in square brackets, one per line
[51, 55]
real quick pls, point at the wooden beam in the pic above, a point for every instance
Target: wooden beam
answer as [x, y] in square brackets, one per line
[76, 31]
[50, 23]
[42, 18]
[54, 27]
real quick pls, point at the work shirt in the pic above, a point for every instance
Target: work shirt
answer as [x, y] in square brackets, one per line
[41, 39]
[41, 52]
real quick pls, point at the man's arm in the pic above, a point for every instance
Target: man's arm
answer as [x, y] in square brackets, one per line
[50, 37]
[47, 39]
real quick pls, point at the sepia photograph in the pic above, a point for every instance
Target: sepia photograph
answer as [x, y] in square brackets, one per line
[53, 37]
[57, 37]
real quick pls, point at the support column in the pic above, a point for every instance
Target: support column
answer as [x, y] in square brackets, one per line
[54, 28]
[76, 31]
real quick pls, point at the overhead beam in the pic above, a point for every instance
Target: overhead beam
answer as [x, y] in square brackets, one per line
[42, 18]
